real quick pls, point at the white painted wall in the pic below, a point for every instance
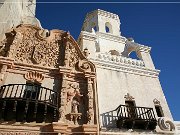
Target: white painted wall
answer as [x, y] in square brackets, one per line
[13, 12]
[112, 86]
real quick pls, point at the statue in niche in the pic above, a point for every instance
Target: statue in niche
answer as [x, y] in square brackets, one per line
[75, 106]
[73, 103]
[73, 91]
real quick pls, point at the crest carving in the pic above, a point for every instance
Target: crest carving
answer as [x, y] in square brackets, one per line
[156, 102]
[34, 77]
[129, 97]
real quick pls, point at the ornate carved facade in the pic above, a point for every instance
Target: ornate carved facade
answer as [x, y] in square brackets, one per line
[39, 55]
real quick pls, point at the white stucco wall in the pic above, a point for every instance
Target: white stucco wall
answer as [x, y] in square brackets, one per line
[112, 86]
[107, 44]
[13, 12]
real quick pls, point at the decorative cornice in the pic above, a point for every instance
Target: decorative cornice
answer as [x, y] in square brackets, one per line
[87, 36]
[109, 36]
[143, 48]
[6, 61]
[103, 13]
[93, 36]
[119, 59]
[121, 67]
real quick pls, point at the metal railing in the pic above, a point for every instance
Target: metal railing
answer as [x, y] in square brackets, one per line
[30, 92]
[134, 112]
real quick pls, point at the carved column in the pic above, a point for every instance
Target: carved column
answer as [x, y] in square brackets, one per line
[66, 54]
[63, 98]
[90, 113]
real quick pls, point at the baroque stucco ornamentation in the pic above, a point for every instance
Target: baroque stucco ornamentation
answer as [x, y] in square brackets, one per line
[33, 45]
[34, 77]
[57, 51]
[129, 97]
[85, 66]
[71, 55]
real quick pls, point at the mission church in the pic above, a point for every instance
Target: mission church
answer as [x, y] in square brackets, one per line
[52, 84]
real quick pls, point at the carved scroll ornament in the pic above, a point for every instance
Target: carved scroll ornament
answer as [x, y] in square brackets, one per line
[85, 66]
[166, 124]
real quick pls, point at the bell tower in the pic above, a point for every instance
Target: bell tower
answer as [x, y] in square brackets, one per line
[101, 33]
[102, 21]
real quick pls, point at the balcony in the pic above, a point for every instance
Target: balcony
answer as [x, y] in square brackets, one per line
[133, 117]
[28, 103]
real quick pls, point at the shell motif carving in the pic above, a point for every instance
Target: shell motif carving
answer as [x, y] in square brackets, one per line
[166, 124]
[34, 77]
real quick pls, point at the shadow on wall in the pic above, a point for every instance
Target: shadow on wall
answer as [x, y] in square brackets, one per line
[109, 119]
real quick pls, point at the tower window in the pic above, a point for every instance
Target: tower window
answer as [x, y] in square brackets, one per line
[159, 111]
[107, 29]
[95, 28]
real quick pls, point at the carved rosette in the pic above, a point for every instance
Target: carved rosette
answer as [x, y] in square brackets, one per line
[34, 77]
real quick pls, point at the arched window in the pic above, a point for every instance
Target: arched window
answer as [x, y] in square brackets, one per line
[133, 55]
[108, 27]
[95, 28]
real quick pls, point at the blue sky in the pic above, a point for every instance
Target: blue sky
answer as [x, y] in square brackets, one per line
[153, 24]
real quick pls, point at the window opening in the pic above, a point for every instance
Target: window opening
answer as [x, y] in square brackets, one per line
[159, 111]
[107, 29]
[32, 90]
